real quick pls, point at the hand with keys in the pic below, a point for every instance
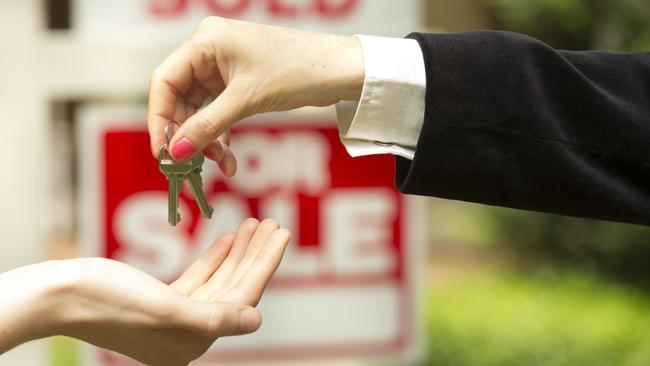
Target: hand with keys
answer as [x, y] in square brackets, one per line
[245, 69]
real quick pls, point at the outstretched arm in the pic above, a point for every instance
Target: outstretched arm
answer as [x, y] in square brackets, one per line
[117, 307]
[489, 117]
[510, 121]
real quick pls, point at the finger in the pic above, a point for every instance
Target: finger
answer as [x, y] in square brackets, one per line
[196, 95]
[225, 137]
[228, 164]
[208, 124]
[262, 235]
[242, 238]
[223, 156]
[204, 267]
[216, 320]
[182, 111]
[168, 81]
[214, 151]
[251, 286]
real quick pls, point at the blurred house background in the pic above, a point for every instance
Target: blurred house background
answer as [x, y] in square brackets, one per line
[502, 286]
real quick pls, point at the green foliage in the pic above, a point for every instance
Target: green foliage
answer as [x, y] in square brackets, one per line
[64, 351]
[548, 319]
[614, 249]
[563, 23]
[579, 24]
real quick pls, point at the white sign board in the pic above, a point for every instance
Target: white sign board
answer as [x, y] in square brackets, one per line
[345, 288]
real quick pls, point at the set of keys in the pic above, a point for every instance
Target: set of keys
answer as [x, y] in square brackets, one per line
[177, 172]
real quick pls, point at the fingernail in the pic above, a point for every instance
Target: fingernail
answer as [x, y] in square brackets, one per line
[213, 155]
[209, 154]
[249, 320]
[183, 149]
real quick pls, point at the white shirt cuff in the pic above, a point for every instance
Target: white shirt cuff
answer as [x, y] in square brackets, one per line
[389, 116]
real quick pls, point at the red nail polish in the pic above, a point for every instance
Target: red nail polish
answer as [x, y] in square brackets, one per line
[210, 155]
[183, 149]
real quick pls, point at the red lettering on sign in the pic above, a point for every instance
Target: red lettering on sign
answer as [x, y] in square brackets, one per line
[167, 8]
[335, 9]
[238, 8]
[280, 9]
[234, 9]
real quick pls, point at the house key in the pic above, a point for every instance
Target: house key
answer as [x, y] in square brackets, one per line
[196, 183]
[175, 171]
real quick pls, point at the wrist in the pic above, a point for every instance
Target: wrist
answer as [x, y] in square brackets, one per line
[55, 295]
[346, 57]
[31, 302]
[61, 295]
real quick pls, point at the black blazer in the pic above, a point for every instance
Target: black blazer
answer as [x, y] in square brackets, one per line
[512, 122]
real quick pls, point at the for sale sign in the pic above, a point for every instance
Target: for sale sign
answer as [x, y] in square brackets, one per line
[345, 287]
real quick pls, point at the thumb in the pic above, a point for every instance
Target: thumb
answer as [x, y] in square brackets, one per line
[219, 319]
[207, 124]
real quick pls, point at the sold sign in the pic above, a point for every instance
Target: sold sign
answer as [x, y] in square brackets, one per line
[344, 288]
[166, 23]
[239, 8]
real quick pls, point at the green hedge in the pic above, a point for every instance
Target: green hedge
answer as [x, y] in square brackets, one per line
[548, 319]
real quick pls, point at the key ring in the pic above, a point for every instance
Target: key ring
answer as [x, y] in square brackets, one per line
[167, 135]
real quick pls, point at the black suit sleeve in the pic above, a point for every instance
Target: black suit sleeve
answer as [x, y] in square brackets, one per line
[512, 122]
